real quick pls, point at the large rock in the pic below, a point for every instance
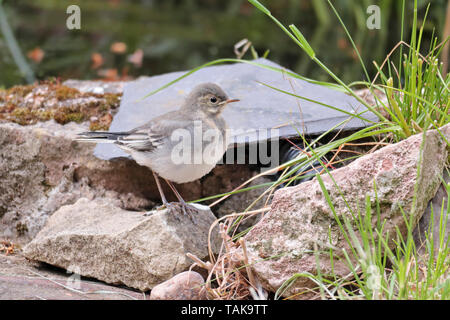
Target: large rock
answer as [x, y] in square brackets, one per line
[97, 239]
[282, 243]
[42, 169]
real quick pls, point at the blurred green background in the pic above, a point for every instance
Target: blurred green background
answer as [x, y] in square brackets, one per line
[175, 35]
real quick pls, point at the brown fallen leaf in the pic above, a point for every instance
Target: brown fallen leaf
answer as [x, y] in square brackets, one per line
[7, 247]
[118, 47]
[97, 60]
[37, 54]
[108, 74]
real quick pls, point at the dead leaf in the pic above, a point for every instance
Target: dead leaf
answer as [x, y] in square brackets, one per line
[118, 47]
[97, 60]
[37, 54]
[7, 247]
[108, 74]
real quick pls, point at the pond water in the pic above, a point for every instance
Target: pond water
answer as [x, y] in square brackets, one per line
[173, 35]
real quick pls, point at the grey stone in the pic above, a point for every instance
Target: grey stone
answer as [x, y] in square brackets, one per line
[188, 285]
[99, 240]
[283, 242]
[42, 169]
[260, 108]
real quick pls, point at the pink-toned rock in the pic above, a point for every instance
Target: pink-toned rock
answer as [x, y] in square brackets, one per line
[188, 285]
[301, 217]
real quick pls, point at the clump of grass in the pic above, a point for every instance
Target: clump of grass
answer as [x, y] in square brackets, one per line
[417, 93]
[416, 101]
[226, 277]
[380, 270]
[424, 99]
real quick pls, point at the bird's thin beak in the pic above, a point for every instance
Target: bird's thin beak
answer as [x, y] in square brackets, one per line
[231, 100]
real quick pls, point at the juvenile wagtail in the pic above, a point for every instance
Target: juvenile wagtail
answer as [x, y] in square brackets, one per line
[153, 144]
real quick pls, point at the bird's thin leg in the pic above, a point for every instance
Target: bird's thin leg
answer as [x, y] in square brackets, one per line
[184, 205]
[175, 191]
[161, 192]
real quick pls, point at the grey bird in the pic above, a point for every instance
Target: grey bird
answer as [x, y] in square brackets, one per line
[179, 146]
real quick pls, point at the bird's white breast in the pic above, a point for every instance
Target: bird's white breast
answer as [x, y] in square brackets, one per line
[166, 161]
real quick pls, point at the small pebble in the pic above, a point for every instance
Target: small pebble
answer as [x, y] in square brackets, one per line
[98, 90]
[188, 285]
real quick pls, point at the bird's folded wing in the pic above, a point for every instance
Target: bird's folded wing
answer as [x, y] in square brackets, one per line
[139, 142]
[154, 133]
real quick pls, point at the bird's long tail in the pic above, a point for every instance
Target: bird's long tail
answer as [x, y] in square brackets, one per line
[100, 136]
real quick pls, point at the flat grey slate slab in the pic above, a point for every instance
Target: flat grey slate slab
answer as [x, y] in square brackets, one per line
[261, 108]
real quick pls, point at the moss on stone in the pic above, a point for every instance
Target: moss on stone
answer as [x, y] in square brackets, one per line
[22, 116]
[64, 93]
[64, 115]
[21, 91]
[97, 126]
[51, 100]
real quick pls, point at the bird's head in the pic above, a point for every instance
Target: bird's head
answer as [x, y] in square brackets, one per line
[209, 98]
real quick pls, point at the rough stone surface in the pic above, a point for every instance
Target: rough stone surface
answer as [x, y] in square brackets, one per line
[188, 285]
[301, 218]
[96, 86]
[431, 220]
[42, 169]
[97, 239]
[24, 280]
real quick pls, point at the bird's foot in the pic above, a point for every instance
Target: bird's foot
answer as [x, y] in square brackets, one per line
[190, 211]
[167, 205]
[174, 207]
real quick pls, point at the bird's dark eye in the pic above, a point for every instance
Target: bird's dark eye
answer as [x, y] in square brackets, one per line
[213, 99]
